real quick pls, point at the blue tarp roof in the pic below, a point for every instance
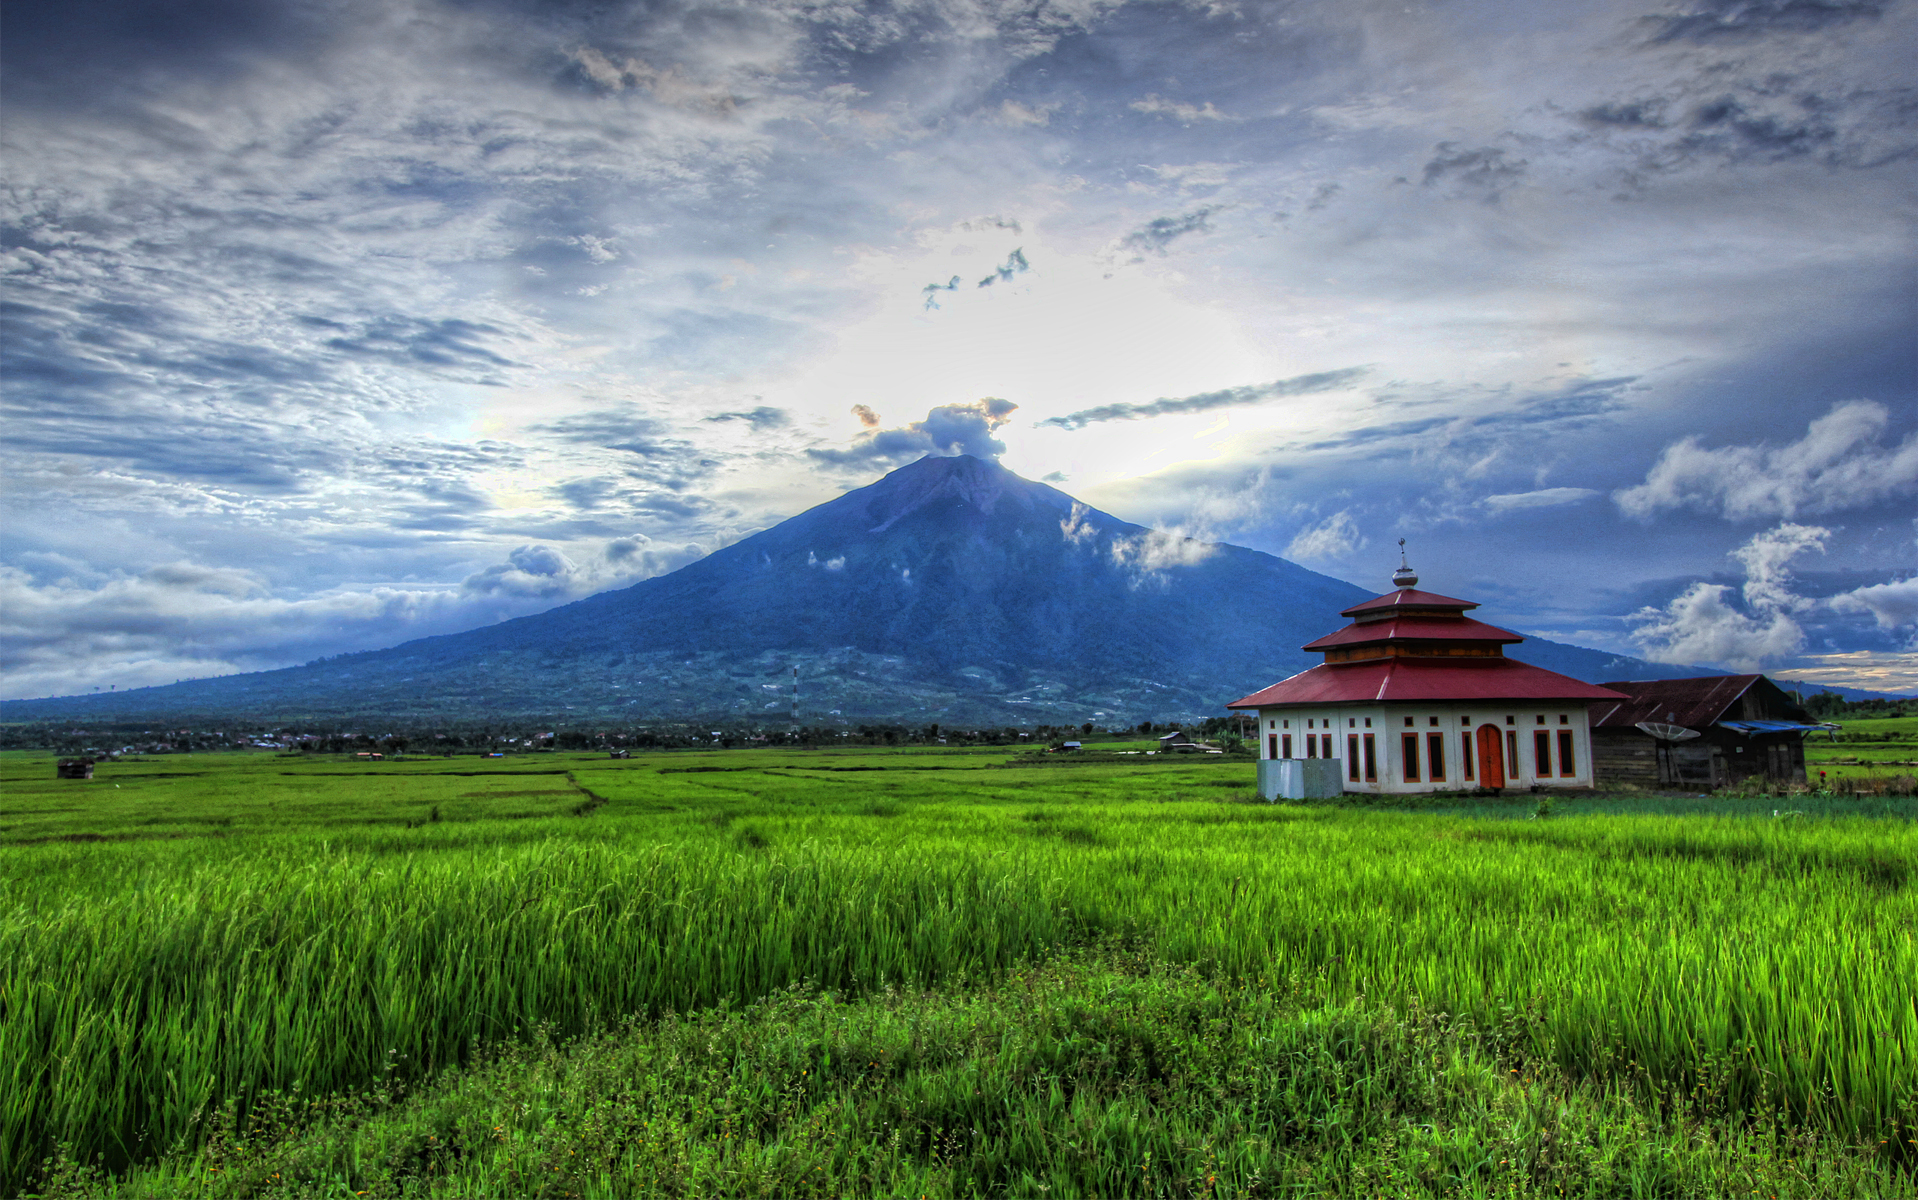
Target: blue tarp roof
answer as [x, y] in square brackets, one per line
[1752, 727]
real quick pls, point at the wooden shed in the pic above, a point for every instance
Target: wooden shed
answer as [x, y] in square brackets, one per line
[1706, 733]
[73, 768]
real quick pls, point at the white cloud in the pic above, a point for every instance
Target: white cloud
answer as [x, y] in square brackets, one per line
[1699, 627]
[1159, 549]
[187, 620]
[1766, 557]
[1015, 115]
[1332, 538]
[1835, 466]
[1893, 604]
[1874, 670]
[1155, 105]
[537, 571]
[1544, 498]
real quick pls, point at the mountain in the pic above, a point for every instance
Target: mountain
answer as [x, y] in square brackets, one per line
[952, 590]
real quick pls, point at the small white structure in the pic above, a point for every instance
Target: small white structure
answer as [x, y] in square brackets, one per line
[1415, 696]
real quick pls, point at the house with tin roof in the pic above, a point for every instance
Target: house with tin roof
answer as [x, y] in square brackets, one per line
[1700, 733]
[1415, 696]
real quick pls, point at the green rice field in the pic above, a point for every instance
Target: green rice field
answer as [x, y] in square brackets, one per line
[941, 972]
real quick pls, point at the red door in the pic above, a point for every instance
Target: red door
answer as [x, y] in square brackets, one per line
[1493, 773]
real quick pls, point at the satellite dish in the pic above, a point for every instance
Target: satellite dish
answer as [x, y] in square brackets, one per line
[1666, 732]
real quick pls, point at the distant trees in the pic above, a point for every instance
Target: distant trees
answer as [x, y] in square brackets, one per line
[1827, 706]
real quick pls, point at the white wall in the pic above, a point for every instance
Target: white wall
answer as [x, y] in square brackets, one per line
[1389, 722]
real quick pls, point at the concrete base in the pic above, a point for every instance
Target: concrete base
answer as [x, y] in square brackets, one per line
[1299, 778]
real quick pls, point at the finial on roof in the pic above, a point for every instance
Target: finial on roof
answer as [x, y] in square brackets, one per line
[1404, 577]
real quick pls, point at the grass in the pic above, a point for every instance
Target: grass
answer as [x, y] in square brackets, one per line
[1720, 980]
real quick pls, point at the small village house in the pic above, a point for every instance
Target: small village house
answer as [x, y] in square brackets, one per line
[1705, 733]
[1416, 696]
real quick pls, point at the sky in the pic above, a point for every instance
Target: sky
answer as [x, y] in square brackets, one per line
[335, 324]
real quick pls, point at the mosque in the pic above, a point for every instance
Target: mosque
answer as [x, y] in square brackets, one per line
[1416, 696]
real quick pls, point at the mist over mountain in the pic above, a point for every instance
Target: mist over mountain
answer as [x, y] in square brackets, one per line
[951, 590]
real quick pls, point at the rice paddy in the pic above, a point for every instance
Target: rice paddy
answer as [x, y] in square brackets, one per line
[240, 975]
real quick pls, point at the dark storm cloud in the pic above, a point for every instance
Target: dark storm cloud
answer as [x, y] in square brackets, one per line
[1723, 20]
[1299, 385]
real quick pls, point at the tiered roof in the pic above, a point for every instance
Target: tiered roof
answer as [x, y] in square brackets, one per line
[1410, 645]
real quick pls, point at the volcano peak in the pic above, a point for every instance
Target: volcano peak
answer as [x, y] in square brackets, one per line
[982, 484]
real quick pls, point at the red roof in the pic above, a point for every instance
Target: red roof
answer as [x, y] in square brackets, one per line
[1408, 598]
[1417, 679]
[1415, 625]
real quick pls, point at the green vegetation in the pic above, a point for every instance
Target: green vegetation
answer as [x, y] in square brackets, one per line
[783, 971]
[1866, 752]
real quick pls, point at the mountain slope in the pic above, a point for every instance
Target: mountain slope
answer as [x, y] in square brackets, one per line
[951, 590]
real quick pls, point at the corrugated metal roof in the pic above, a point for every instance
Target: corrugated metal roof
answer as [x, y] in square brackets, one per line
[1695, 703]
[1415, 679]
[1752, 727]
[1425, 628]
[1409, 598]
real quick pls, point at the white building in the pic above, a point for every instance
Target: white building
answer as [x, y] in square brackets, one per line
[1416, 696]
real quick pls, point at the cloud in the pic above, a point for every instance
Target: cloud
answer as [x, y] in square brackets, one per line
[1016, 115]
[1727, 20]
[1893, 604]
[1766, 557]
[1332, 538]
[1149, 556]
[868, 418]
[1700, 627]
[183, 620]
[1155, 105]
[1486, 171]
[1544, 498]
[948, 430]
[1872, 670]
[1156, 235]
[539, 571]
[1836, 466]
[762, 417]
[1298, 385]
[1016, 264]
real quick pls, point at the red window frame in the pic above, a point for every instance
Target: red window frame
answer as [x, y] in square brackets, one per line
[1567, 770]
[1353, 757]
[1286, 745]
[1466, 755]
[1410, 757]
[1373, 768]
[1437, 757]
[1542, 754]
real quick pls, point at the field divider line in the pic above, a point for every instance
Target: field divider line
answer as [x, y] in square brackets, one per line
[593, 799]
